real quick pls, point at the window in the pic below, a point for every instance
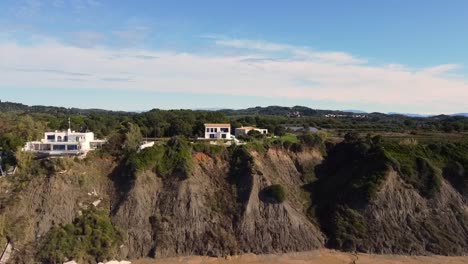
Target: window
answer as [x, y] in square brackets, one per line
[216, 130]
[58, 147]
[223, 135]
[212, 135]
[59, 139]
[225, 129]
[72, 147]
[50, 137]
[207, 129]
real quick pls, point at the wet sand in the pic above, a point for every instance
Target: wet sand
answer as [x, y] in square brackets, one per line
[323, 256]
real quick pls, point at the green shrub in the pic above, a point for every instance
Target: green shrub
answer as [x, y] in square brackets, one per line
[259, 146]
[310, 140]
[174, 158]
[349, 229]
[91, 237]
[421, 165]
[276, 192]
[209, 149]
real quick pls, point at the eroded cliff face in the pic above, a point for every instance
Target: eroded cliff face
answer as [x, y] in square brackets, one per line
[219, 209]
[212, 214]
[401, 221]
[54, 195]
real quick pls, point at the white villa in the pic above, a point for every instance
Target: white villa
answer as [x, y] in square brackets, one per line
[61, 143]
[245, 129]
[218, 131]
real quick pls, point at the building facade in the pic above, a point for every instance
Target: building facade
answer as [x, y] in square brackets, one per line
[60, 143]
[245, 130]
[217, 131]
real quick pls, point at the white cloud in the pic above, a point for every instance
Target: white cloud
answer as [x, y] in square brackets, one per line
[440, 69]
[298, 52]
[88, 38]
[334, 76]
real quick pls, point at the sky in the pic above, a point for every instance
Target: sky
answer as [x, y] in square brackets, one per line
[386, 56]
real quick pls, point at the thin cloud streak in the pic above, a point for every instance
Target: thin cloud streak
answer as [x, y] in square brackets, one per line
[298, 52]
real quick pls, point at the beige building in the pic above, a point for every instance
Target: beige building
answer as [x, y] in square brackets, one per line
[245, 130]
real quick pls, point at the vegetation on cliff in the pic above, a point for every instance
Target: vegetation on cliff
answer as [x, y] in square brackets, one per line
[91, 238]
[275, 192]
[171, 159]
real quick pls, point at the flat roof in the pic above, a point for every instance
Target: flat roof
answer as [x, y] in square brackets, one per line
[217, 125]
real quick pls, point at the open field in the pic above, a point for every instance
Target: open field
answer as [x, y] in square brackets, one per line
[323, 256]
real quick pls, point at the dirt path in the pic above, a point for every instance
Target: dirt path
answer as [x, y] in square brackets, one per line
[311, 257]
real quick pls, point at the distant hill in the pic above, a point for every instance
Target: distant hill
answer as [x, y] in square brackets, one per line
[408, 114]
[295, 111]
[460, 114]
[18, 107]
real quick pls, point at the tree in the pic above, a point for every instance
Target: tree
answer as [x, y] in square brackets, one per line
[133, 137]
[280, 131]
[255, 134]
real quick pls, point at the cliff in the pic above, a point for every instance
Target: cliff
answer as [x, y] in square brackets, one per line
[168, 201]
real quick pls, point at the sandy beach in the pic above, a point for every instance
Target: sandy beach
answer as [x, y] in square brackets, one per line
[323, 256]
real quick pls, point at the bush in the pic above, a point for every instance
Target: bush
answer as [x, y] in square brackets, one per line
[349, 229]
[276, 192]
[421, 165]
[309, 139]
[174, 158]
[90, 237]
[209, 149]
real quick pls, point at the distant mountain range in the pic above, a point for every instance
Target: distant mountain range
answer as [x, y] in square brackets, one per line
[460, 114]
[268, 110]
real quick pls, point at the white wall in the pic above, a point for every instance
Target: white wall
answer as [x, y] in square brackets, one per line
[218, 134]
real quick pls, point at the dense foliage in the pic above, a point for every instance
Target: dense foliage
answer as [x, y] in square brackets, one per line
[355, 167]
[424, 165]
[91, 238]
[171, 159]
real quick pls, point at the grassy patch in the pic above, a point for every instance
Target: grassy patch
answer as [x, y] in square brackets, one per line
[209, 149]
[289, 137]
[423, 165]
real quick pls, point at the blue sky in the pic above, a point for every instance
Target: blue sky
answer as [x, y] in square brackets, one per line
[389, 56]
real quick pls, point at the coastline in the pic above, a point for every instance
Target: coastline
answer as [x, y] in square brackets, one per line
[322, 256]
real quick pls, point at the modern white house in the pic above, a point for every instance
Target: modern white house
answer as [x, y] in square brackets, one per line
[62, 143]
[218, 131]
[244, 130]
